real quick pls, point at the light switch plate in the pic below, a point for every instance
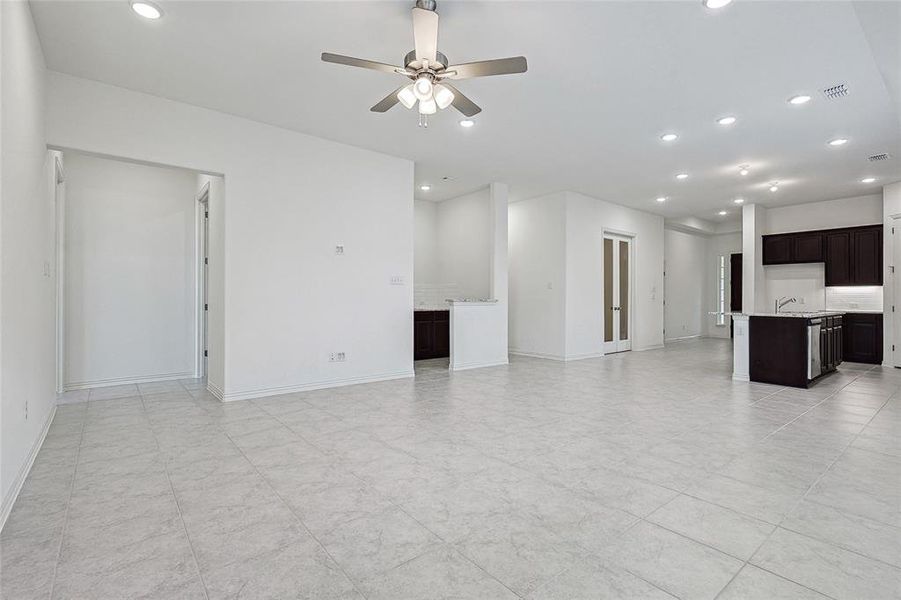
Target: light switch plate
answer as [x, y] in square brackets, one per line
[339, 249]
[397, 280]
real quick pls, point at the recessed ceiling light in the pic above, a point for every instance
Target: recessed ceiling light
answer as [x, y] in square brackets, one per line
[838, 142]
[799, 99]
[661, 199]
[868, 180]
[682, 176]
[425, 187]
[467, 123]
[743, 170]
[669, 137]
[726, 120]
[739, 200]
[722, 213]
[774, 187]
[716, 3]
[148, 10]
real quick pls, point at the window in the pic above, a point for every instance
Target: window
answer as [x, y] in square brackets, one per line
[721, 291]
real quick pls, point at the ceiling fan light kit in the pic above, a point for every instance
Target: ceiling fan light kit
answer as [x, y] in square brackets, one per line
[429, 71]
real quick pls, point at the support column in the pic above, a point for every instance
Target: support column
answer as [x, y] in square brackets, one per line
[753, 281]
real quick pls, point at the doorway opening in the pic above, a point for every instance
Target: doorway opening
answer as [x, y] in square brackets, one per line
[618, 278]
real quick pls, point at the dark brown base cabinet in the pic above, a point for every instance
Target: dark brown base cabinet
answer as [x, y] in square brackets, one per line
[431, 334]
[853, 255]
[863, 338]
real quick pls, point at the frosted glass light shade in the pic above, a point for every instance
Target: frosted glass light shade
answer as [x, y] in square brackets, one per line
[422, 87]
[427, 107]
[407, 97]
[443, 96]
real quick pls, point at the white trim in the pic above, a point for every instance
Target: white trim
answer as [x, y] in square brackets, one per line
[651, 347]
[542, 355]
[740, 378]
[468, 366]
[59, 209]
[201, 206]
[316, 385]
[687, 337]
[19, 481]
[81, 385]
[214, 389]
[585, 356]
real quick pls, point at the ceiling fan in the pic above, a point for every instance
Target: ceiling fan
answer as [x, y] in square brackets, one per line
[429, 70]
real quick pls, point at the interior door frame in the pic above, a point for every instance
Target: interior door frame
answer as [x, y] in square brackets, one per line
[631, 238]
[201, 231]
[896, 292]
[59, 271]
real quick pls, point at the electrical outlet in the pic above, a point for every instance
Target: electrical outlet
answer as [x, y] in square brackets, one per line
[336, 357]
[339, 249]
[26, 410]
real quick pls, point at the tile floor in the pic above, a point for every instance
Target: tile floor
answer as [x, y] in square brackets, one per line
[644, 475]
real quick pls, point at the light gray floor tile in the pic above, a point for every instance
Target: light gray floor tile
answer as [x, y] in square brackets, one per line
[673, 563]
[441, 572]
[410, 485]
[756, 584]
[724, 529]
[826, 568]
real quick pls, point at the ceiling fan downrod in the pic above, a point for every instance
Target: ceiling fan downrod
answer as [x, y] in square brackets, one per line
[427, 4]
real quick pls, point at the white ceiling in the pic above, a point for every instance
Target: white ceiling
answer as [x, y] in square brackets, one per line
[605, 80]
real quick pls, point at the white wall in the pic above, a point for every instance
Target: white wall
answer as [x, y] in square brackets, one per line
[130, 273]
[586, 221]
[27, 252]
[558, 312]
[425, 242]
[464, 243]
[537, 248]
[216, 281]
[685, 284]
[827, 214]
[289, 299]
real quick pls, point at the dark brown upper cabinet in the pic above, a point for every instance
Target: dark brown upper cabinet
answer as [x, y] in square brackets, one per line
[853, 255]
[807, 247]
[838, 257]
[777, 249]
[866, 256]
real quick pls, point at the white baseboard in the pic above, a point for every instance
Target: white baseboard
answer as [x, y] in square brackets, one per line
[652, 347]
[214, 389]
[19, 481]
[741, 377]
[537, 355]
[584, 356]
[83, 385]
[316, 385]
[682, 339]
[468, 366]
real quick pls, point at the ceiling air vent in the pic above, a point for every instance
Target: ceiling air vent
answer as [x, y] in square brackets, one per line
[835, 92]
[877, 157]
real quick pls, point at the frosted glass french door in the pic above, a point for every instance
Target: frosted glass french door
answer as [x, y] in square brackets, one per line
[617, 293]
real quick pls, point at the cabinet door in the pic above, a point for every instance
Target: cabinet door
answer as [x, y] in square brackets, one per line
[442, 335]
[423, 335]
[824, 350]
[862, 338]
[838, 257]
[807, 247]
[839, 344]
[866, 255]
[776, 249]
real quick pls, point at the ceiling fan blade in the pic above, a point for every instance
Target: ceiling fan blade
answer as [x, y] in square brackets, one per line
[350, 61]
[425, 34]
[485, 68]
[387, 102]
[462, 103]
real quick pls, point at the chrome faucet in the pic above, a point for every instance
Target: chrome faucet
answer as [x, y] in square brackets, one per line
[782, 302]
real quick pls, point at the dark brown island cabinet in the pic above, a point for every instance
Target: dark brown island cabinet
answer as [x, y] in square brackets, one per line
[852, 255]
[431, 334]
[782, 350]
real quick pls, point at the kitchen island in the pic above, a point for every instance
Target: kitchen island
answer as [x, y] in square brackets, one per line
[790, 348]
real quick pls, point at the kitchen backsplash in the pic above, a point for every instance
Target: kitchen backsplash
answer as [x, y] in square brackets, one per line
[433, 295]
[858, 297]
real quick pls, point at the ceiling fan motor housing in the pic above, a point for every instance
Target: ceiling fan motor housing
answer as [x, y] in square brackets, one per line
[413, 64]
[427, 4]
